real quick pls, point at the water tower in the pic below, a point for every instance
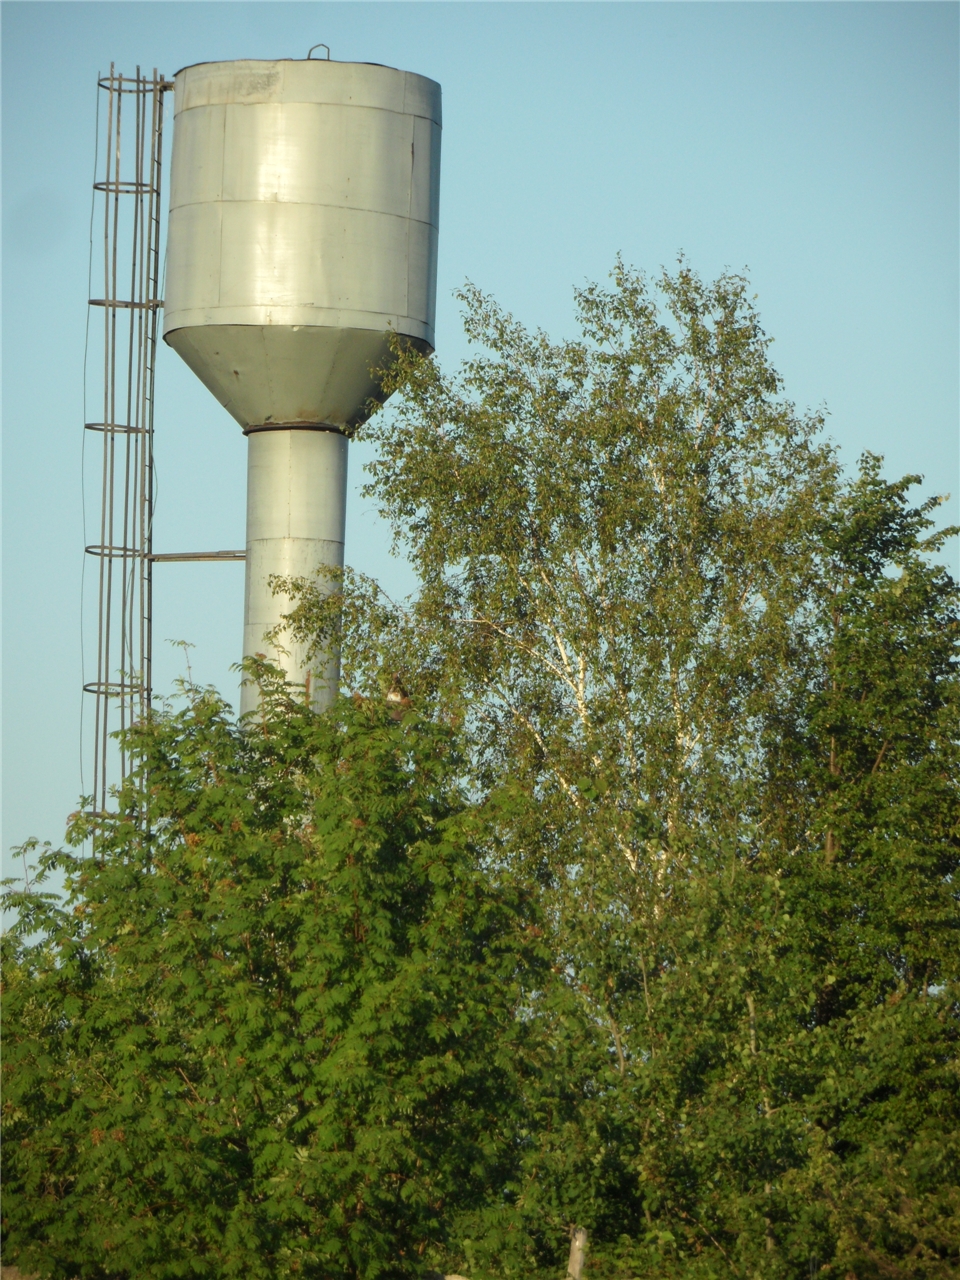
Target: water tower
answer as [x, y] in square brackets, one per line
[303, 233]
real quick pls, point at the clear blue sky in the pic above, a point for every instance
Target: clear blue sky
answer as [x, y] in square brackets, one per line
[814, 144]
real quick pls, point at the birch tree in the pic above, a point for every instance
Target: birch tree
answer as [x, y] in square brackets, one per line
[671, 629]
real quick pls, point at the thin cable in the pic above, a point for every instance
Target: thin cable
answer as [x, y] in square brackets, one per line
[83, 445]
[161, 294]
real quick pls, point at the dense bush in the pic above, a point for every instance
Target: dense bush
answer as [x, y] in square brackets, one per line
[274, 995]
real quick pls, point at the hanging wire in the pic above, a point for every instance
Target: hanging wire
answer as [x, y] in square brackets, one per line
[83, 443]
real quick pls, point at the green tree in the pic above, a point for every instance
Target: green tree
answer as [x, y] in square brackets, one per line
[878, 891]
[720, 683]
[246, 1042]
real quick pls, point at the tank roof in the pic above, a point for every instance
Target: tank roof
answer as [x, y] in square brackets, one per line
[347, 62]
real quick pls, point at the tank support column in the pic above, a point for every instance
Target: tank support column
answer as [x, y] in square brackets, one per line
[296, 511]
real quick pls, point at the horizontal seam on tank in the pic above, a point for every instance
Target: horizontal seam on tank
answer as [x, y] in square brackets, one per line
[309, 204]
[293, 426]
[390, 111]
[286, 306]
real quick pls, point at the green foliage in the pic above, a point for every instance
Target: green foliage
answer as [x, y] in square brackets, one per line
[246, 1047]
[650, 921]
[723, 680]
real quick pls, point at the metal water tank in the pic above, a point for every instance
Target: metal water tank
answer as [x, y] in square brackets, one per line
[303, 232]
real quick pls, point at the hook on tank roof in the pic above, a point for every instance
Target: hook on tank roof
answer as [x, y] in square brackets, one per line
[208, 62]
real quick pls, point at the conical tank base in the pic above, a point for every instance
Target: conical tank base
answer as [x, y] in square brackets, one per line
[264, 374]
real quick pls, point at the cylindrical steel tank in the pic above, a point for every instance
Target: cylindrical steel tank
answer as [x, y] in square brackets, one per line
[303, 232]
